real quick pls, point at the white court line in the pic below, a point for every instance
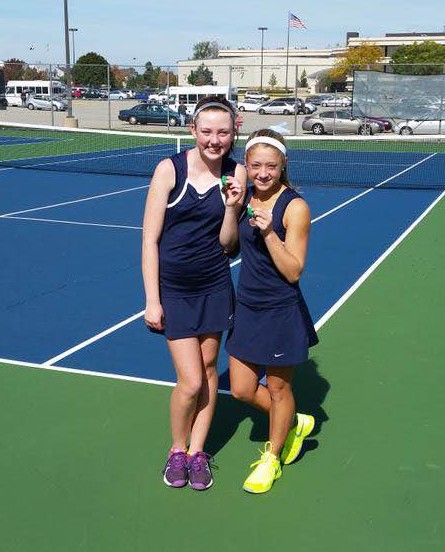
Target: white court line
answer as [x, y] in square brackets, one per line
[121, 226]
[86, 372]
[373, 267]
[89, 198]
[371, 189]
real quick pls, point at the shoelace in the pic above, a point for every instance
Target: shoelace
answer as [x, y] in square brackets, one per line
[177, 460]
[266, 456]
[200, 460]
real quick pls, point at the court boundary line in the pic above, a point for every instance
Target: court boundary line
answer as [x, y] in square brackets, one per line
[74, 222]
[371, 189]
[82, 199]
[340, 302]
[318, 325]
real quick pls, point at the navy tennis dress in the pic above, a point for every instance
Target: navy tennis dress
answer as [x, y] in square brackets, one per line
[272, 324]
[195, 285]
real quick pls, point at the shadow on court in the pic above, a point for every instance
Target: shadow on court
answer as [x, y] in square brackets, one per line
[310, 390]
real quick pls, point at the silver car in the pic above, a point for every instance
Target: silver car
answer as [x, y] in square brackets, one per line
[339, 122]
[281, 107]
[38, 101]
[436, 126]
[336, 101]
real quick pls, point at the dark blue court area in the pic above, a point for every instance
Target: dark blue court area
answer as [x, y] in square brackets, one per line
[72, 293]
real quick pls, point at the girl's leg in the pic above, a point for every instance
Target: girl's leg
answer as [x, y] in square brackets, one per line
[282, 408]
[187, 359]
[205, 406]
[244, 384]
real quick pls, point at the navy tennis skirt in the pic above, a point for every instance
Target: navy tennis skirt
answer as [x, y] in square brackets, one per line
[209, 313]
[271, 337]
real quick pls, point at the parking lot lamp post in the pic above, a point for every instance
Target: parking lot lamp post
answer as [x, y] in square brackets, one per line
[262, 29]
[72, 31]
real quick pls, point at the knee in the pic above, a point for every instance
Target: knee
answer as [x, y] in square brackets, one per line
[279, 392]
[242, 392]
[190, 388]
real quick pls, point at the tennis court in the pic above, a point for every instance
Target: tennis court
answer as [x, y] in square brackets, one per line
[85, 388]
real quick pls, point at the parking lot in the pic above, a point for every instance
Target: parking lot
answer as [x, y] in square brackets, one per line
[102, 114]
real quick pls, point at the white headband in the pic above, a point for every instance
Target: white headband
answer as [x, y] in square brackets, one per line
[214, 104]
[267, 140]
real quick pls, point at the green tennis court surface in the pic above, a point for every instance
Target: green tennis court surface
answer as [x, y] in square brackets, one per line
[81, 456]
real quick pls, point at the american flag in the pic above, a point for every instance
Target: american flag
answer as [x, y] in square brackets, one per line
[295, 22]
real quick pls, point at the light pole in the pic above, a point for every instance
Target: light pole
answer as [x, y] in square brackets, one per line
[262, 29]
[72, 31]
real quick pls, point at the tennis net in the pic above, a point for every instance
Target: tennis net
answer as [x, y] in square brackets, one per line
[381, 161]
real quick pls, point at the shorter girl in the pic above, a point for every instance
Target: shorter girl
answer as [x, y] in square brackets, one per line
[272, 326]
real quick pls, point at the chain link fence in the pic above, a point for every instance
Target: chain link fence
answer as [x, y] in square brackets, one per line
[91, 96]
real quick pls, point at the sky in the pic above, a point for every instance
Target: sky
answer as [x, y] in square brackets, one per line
[137, 31]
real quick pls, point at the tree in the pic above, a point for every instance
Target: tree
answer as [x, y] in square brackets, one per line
[201, 76]
[14, 69]
[92, 69]
[32, 73]
[355, 58]
[419, 59]
[272, 80]
[303, 79]
[205, 50]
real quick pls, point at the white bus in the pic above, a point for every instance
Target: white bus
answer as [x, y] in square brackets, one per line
[191, 95]
[14, 89]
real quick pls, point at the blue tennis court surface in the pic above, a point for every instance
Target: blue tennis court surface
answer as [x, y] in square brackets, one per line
[72, 293]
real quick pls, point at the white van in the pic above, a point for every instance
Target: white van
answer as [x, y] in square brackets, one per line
[14, 89]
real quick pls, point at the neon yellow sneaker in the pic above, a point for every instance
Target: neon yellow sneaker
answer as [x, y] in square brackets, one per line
[296, 436]
[266, 471]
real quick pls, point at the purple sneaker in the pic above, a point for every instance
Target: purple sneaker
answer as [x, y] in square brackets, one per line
[200, 474]
[175, 471]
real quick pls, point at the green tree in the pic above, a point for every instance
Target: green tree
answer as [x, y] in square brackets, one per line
[355, 58]
[272, 80]
[92, 69]
[201, 76]
[303, 79]
[205, 50]
[425, 58]
[14, 69]
[31, 73]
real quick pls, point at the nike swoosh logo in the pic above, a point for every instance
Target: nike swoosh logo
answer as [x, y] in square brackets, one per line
[201, 197]
[276, 356]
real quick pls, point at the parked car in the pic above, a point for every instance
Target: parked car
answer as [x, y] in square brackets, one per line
[249, 104]
[256, 95]
[336, 101]
[340, 122]
[317, 99]
[92, 94]
[281, 107]
[142, 94]
[302, 105]
[117, 95]
[78, 91]
[145, 113]
[387, 124]
[415, 126]
[46, 103]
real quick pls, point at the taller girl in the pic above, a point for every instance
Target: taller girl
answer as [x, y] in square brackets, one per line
[189, 217]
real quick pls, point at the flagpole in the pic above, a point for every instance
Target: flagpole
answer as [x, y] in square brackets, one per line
[287, 49]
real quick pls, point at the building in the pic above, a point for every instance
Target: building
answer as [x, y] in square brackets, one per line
[253, 68]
